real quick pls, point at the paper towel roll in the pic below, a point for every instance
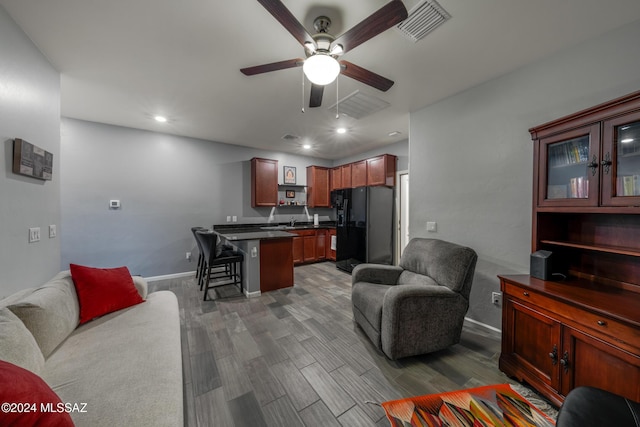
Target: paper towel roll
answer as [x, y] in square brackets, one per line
[315, 219]
[334, 243]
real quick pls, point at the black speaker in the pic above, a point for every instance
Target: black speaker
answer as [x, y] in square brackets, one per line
[541, 265]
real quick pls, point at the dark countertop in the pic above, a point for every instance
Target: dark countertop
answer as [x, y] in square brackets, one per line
[255, 228]
[255, 235]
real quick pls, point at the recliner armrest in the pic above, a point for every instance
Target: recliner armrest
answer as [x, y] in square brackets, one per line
[376, 273]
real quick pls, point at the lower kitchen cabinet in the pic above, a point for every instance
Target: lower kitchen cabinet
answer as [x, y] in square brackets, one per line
[309, 246]
[557, 344]
[330, 253]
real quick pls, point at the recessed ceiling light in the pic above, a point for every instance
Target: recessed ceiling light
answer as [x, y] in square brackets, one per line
[626, 140]
[395, 133]
[341, 130]
[160, 119]
[306, 146]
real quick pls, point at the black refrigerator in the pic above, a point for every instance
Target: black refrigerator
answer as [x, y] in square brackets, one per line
[364, 226]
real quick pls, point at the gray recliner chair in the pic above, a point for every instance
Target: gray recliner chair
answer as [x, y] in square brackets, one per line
[419, 306]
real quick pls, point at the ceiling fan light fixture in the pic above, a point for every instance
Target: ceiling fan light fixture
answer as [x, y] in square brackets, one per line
[321, 69]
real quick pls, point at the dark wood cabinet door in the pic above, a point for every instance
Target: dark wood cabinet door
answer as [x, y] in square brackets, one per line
[321, 242]
[359, 174]
[298, 250]
[530, 344]
[309, 251]
[336, 178]
[264, 182]
[318, 187]
[593, 362]
[346, 176]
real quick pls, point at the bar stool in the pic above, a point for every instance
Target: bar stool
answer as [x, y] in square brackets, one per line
[200, 251]
[215, 258]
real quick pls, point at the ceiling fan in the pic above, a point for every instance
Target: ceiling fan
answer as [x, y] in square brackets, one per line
[322, 49]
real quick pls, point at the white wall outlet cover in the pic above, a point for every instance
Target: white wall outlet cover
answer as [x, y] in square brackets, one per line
[228, 218]
[114, 204]
[235, 219]
[432, 226]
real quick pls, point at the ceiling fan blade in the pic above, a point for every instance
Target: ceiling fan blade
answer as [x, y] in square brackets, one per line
[386, 17]
[287, 20]
[316, 95]
[365, 76]
[274, 66]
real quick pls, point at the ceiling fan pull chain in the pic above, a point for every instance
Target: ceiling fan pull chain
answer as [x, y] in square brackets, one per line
[303, 91]
[337, 98]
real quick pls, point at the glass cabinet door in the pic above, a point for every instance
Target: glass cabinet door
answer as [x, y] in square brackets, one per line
[621, 161]
[568, 173]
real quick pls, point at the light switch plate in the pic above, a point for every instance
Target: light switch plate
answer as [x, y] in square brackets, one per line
[34, 234]
[52, 231]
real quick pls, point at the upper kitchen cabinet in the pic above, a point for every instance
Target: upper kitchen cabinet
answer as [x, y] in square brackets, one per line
[346, 176]
[318, 187]
[359, 174]
[381, 170]
[264, 182]
[336, 178]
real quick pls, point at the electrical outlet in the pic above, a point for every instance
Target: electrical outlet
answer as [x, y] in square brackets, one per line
[228, 218]
[432, 226]
[234, 219]
[496, 298]
[52, 231]
[188, 256]
[34, 234]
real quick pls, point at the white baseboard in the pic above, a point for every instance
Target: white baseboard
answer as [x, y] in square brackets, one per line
[170, 276]
[484, 325]
[252, 294]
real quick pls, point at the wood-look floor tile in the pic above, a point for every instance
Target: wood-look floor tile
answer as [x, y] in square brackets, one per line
[245, 411]
[360, 391]
[204, 373]
[234, 379]
[280, 413]
[325, 356]
[318, 415]
[335, 397]
[211, 409]
[355, 417]
[298, 388]
[265, 385]
[296, 352]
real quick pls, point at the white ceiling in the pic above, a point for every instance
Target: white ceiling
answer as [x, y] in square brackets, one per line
[124, 61]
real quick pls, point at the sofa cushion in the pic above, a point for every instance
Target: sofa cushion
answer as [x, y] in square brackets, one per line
[27, 388]
[410, 278]
[49, 312]
[17, 345]
[103, 290]
[126, 366]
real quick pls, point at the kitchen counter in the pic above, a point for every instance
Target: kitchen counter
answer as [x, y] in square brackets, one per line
[254, 235]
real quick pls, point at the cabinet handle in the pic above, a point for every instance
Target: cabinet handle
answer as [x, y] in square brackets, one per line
[554, 355]
[526, 294]
[602, 323]
[565, 361]
[606, 163]
[593, 165]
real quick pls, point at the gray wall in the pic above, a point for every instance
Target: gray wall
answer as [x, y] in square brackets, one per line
[166, 185]
[471, 154]
[29, 109]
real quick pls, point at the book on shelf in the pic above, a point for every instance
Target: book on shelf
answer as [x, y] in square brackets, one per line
[628, 185]
[569, 152]
[579, 187]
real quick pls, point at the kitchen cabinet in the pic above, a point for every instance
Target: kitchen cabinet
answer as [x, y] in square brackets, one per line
[346, 176]
[336, 178]
[359, 174]
[381, 170]
[556, 343]
[321, 243]
[318, 187]
[297, 249]
[585, 211]
[309, 244]
[264, 182]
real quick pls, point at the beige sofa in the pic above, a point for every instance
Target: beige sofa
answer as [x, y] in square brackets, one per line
[126, 365]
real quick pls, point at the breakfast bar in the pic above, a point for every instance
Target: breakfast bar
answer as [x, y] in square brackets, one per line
[268, 259]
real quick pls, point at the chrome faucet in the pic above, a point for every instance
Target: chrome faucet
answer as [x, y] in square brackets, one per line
[293, 221]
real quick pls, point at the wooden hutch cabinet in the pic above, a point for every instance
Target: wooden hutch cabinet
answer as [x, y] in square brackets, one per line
[264, 182]
[582, 327]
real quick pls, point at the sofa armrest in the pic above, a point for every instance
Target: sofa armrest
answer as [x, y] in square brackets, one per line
[376, 273]
[141, 286]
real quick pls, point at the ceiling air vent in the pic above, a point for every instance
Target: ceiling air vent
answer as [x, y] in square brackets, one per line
[289, 137]
[359, 105]
[425, 17]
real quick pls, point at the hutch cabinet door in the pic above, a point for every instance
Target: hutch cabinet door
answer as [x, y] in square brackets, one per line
[568, 170]
[589, 361]
[530, 343]
[621, 161]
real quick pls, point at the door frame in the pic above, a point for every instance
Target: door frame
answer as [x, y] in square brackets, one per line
[398, 215]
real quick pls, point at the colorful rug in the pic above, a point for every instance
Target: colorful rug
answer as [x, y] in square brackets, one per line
[493, 405]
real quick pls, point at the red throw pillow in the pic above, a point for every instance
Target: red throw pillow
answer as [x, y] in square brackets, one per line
[103, 290]
[28, 401]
